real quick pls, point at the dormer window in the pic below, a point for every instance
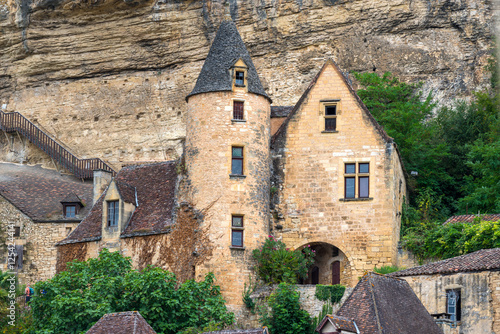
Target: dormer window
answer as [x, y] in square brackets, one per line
[240, 78]
[113, 213]
[69, 211]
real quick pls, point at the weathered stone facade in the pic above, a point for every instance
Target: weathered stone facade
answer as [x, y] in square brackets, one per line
[479, 294]
[38, 241]
[310, 205]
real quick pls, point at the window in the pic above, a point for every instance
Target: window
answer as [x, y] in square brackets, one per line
[113, 213]
[238, 110]
[357, 179]
[453, 304]
[70, 211]
[17, 231]
[331, 118]
[240, 78]
[237, 231]
[68, 230]
[237, 161]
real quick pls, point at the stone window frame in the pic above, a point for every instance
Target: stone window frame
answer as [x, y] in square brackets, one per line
[357, 175]
[116, 212]
[233, 118]
[238, 229]
[323, 105]
[239, 66]
[242, 158]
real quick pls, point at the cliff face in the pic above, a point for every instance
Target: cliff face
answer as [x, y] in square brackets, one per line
[108, 77]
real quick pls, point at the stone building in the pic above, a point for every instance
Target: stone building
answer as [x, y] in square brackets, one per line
[322, 173]
[463, 292]
[40, 207]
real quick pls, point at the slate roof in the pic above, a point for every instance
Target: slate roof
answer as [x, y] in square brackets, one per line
[227, 48]
[341, 323]
[122, 323]
[154, 185]
[360, 103]
[385, 305]
[280, 111]
[38, 192]
[484, 259]
[470, 218]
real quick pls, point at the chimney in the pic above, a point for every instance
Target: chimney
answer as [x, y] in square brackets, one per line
[101, 180]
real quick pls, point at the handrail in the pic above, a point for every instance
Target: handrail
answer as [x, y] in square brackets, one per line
[81, 168]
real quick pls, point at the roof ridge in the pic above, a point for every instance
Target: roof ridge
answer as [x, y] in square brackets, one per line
[375, 308]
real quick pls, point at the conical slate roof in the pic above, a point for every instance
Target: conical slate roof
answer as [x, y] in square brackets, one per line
[227, 48]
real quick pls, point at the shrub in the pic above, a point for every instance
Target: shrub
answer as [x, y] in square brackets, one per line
[286, 316]
[276, 263]
[75, 299]
[333, 293]
[386, 269]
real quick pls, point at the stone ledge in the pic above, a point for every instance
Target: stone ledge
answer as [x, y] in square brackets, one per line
[235, 176]
[329, 131]
[356, 199]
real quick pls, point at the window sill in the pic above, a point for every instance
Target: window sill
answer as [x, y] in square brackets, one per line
[238, 248]
[238, 120]
[241, 86]
[236, 176]
[356, 199]
[329, 131]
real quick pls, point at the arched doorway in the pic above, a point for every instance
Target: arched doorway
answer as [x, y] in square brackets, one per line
[331, 266]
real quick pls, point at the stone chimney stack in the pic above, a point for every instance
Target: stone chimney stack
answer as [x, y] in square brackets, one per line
[101, 180]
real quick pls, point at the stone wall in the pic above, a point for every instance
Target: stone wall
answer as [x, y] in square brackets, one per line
[109, 80]
[211, 134]
[479, 299]
[495, 300]
[309, 176]
[38, 239]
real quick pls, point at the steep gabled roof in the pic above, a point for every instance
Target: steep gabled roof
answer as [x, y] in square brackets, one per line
[360, 103]
[227, 48]
[470, 218]
[384, 305]
[122, 323]
[339, 322]
[38, 192]
[152, 187]
[484, 259]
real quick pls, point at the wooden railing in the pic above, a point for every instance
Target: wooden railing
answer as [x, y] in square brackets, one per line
[81, 168]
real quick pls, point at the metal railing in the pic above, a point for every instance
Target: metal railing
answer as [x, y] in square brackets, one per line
[81, 168]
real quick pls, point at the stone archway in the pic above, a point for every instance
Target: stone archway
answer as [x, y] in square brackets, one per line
[331, 265]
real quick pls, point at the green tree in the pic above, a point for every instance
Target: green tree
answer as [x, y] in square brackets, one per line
[72, 301]
[276, 263]
[286, 316]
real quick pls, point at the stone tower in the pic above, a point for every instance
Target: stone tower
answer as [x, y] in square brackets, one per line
[227, 159]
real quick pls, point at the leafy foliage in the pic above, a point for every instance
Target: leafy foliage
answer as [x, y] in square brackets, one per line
[276, 263]
[445, 241]
[75, 299]
[386, 269]
[286, 316]
[325, 310]
[333, 293]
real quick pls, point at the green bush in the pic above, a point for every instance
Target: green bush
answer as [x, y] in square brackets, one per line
[75, 299]
[333, 293]
[386, 269]
[286, 316]
[276, 263]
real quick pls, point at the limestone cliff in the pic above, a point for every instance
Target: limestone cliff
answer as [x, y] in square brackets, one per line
[108, 77]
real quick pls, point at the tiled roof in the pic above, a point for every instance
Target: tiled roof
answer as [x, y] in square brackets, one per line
[227, 48]
[485, 259]
[341, 323]
[155, 186]
[470, 218]
[71, 198]
[38, 192]
[280, 111]
[121, 323]
[386, 305]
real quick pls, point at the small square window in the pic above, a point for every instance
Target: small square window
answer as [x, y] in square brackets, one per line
[70, 211]
[17, 231]
[331, 110]
[237, 161]
[350, 168]
[113, 212]
[68, 230]
[364, 168]
[240, 78]
[236, 231]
